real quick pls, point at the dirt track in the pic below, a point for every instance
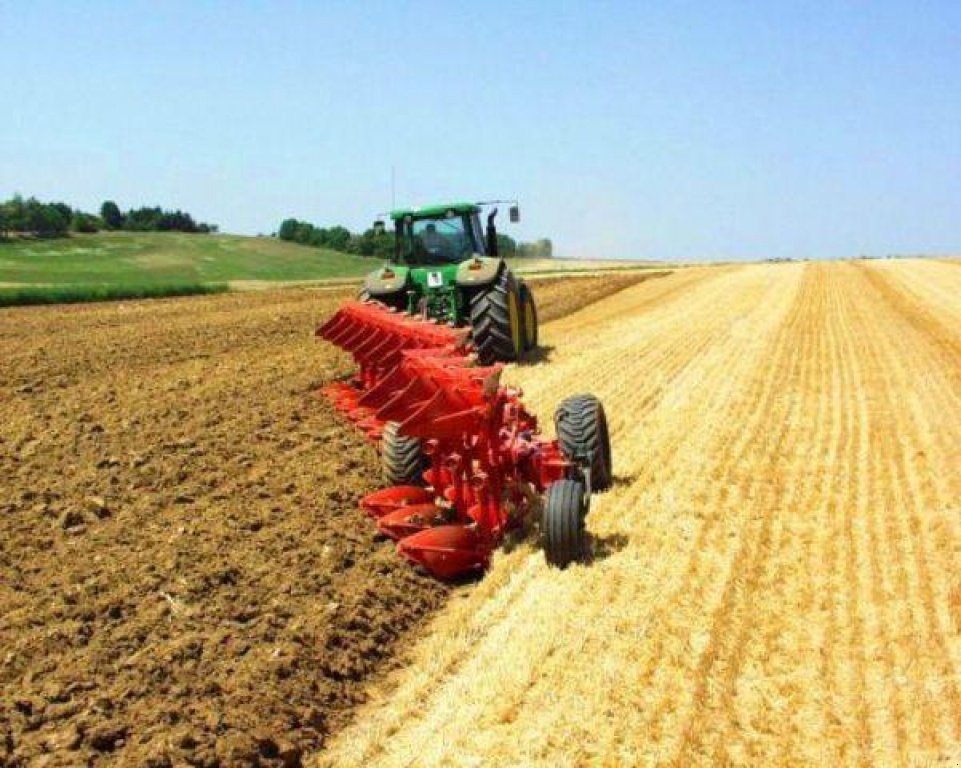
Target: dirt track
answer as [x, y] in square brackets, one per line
[184, 575]
[778, 571]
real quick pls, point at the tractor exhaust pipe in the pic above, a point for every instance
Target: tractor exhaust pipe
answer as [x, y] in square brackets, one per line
[491, 235]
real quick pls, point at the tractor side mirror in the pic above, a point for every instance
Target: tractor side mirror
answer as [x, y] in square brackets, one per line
[515, 214]
[378, 227]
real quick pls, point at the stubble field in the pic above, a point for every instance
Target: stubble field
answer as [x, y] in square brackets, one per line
[184, 577]
[778, 575]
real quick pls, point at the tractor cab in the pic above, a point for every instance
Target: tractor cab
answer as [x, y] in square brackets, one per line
[446, 268]
[438, 235]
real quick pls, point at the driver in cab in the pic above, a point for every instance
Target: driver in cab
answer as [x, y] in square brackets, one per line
[434, 242]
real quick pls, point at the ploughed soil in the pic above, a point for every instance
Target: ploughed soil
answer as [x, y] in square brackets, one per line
[559, 296]
[185, 577]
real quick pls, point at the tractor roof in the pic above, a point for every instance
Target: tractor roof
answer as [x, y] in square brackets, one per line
[433, 211]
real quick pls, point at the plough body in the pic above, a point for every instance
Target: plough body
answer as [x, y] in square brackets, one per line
[486, 461]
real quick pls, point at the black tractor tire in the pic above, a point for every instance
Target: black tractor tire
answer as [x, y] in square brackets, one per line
[565, 537]
[581, 426]
[496, 320]
[529, 314]
[402, 460]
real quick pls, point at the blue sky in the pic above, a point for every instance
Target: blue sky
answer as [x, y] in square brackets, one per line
[677, 130]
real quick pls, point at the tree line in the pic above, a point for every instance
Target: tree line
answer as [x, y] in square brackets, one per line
[539, 249]
[381, 245]
[32, 217]
[337, 238]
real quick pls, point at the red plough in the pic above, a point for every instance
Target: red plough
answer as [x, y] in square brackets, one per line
[376, 337]
[466, 458]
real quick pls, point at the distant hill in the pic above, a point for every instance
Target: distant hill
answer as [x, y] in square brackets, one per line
[122, 258]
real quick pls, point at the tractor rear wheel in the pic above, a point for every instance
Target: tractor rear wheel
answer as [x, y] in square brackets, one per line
[565, 538]
[402, 460]
[529, 309]
[582, 433]
[496, 321]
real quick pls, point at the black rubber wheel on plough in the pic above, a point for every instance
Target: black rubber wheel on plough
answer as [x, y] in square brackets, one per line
[565, 507]
[497, 325]
[402, 460]
[529, 311]
[582, 433]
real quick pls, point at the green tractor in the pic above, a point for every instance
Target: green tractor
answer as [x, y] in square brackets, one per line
[446, 268]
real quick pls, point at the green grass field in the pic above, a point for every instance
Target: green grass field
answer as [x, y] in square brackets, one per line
[134, 258]
[119, 265]
[115, 265]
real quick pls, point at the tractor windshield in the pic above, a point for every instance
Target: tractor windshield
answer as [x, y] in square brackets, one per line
[438, 241]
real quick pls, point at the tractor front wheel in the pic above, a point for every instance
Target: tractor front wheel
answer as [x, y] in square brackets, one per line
[497, 325]
[565, 537]
[402, 460]
[581, 426]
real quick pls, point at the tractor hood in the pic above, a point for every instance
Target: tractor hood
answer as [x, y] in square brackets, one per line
[478, 270]
[388, 279]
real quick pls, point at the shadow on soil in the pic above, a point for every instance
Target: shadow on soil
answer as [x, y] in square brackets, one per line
[597, 547]
[602, 547]
[536, 356]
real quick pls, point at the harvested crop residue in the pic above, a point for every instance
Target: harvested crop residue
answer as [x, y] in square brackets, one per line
[558, 296]
[777, 579]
